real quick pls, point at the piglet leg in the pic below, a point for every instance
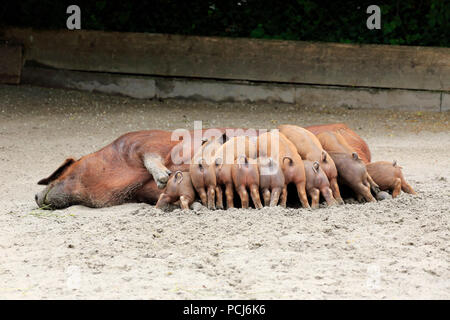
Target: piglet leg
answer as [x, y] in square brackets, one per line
[302, 194]
[184, 203]
[275, 197]
[315, 195]
[406, 187]
[219, 197]
[283, 197]
[397, 187]
[254, 192]
[243, 194]
[266, 197]
[373, 186]
[229, 194]
[211, 198]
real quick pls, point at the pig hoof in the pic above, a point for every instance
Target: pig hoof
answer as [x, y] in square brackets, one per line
[161, 178]
[383, 195]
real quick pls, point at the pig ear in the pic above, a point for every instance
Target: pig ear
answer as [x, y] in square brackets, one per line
[178, 176]
[315, 166]
[355, 156]
[324, 156]
[55, 175]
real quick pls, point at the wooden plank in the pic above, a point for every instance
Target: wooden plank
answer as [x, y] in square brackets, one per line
[377, 66]
[10, 63]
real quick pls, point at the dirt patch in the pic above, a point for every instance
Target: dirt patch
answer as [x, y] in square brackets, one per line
[390, 249]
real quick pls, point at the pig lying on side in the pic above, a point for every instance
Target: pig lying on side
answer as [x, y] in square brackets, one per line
[179, 191]
[389, 177]
[352, 170]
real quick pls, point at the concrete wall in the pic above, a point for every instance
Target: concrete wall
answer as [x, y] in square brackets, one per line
[156, 87]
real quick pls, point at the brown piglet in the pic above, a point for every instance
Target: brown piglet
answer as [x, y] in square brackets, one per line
[179, 191]
[225, 159]
[310, 148]
[352, 170]
[389, 177]
[245, 176]
[317, 183]
[275, 145]
[203, 173]
[271, 181]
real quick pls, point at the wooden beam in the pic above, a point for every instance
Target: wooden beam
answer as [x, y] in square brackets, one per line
[376, 66]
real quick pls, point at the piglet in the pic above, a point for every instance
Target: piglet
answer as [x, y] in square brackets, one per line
[245, 176]
[317, 183]
[389, 177]
[179, 191]
[271, 181]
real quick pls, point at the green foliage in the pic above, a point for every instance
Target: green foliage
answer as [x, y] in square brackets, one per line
[405, 22]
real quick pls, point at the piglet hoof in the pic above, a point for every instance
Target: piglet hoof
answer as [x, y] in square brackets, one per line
[340, 202]
[383, 195]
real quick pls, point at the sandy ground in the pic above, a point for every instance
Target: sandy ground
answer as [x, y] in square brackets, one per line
[391, 249]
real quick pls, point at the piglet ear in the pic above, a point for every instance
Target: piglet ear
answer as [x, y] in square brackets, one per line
[355, 156]
[58, 172]
[324, 156]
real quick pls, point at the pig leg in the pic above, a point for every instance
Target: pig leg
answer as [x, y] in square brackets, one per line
[244, 197]
[315, 195]
[153, 163]
[301, 190]
[397, 187]
[229, 195]
[275, 197]
[211, 198]
[266, 196]
[254, 192]
[184, 203]
[203, 196]
[219, 197]
[283, 197]
[406, 187]
[363, 192]
[328, 195]
[373, 186]
[336, 193]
